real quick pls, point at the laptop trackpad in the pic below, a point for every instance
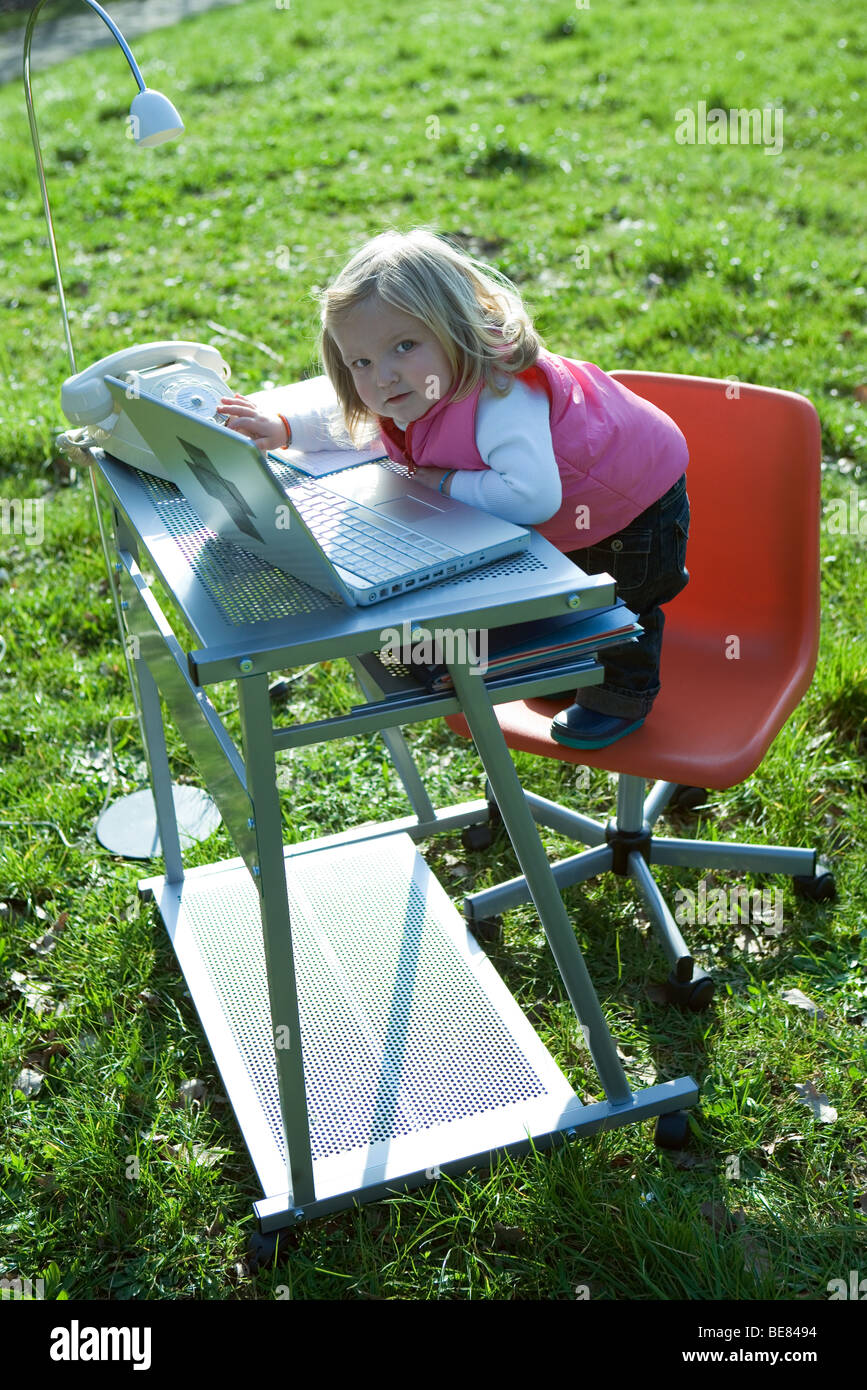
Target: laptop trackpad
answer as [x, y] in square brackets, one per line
[410, 510]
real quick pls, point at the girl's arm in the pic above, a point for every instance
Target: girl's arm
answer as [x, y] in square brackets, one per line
[521, 483]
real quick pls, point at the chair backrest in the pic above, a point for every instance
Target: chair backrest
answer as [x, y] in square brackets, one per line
[753, 480]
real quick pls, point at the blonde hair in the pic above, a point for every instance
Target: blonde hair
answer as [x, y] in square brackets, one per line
[474, 311]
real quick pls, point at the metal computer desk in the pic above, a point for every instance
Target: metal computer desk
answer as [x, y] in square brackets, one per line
[347, 1007]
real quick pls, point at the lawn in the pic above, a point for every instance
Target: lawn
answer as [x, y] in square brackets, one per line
[544, 140]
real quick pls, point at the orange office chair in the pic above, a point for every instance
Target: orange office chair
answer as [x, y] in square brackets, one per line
[738, 653]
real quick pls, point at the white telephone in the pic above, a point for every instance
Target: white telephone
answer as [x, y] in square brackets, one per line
[189, 375]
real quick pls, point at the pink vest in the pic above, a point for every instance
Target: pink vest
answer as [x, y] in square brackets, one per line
[616, 452]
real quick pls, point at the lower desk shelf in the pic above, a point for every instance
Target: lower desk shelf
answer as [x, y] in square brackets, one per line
[417, 1059]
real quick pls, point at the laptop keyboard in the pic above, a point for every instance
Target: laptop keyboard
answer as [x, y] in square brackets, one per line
[359, 541]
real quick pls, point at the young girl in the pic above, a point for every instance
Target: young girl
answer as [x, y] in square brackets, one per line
[433, 351]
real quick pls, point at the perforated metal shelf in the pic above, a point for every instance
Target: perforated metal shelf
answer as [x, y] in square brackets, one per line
[415, 1054]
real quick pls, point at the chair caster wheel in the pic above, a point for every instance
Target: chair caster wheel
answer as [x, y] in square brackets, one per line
[476, 837]
[486, 928]
[687, 798]
[672, 1130]
[819, 887]
[694, 995]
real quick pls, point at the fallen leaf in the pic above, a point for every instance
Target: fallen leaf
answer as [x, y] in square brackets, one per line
[657, 994]
[801, 1001]
[818, 1102]
[191, 1090]
[748, 942]
[208, 1157]
[682, 1159]
[35, 995]
[508, 1237]
[769, 1147]
[45, 945]
[719, 1216]
[861, 392]
[645, 1072]
[29, 1081]
[40, 1058]
[198, 1155]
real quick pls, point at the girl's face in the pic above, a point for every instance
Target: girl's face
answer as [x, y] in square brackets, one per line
[397, 363]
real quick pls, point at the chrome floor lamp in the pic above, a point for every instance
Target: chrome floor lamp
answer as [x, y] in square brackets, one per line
[127, 827]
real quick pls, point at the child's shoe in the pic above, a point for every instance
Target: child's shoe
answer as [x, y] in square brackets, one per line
[585, 728]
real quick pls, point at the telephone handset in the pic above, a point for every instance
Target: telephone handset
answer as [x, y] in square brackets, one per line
[189, 375]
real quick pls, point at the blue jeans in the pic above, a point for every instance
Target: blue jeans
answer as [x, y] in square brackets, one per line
[647, 561]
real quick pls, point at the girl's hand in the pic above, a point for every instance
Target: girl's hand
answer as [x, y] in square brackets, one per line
[265, 431]
[432, 477]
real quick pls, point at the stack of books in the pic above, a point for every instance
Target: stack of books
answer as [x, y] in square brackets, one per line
[502, 651]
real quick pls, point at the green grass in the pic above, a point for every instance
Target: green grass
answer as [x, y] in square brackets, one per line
[307, 131]
[13, 15]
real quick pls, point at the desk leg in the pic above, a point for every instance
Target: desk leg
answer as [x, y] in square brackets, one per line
[258, 736]
[521, 827]
[154, 738]
[399, 750]
[152, 731]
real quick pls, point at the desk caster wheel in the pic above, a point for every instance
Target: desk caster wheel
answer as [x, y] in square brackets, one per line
[476, 837]
[262, 1250]
[687, 798]
[694, 995]
[818, 887]
[486, 928]
[672, 1130]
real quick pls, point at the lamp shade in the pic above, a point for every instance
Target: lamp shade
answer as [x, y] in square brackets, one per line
[153, 118]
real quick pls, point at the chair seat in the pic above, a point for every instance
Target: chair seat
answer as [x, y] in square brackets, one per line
[710, 725]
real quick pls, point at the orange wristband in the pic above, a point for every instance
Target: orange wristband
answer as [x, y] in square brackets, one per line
[287, 427]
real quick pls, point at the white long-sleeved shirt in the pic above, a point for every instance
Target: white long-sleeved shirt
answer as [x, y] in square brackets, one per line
[521, 483]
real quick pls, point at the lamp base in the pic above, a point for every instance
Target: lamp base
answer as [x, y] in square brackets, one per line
[128, 827]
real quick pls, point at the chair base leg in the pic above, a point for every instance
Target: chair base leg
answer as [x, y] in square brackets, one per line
[623, 847]
[667, 931]
[713, 854]
[490, 902]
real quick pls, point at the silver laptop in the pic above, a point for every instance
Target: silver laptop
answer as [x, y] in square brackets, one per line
[361, 535]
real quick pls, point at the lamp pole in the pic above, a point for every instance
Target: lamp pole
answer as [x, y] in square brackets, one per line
[153, 120]
[34, 135]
